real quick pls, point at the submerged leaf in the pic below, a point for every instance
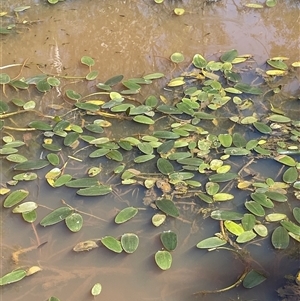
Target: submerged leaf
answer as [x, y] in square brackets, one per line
[253, 279]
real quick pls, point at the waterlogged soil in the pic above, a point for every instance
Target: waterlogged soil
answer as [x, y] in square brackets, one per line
[134, 38]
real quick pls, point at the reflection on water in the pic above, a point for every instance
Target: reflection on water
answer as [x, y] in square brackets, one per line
[134, 38]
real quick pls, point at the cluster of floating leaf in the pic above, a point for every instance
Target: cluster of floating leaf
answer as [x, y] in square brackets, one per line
[188, 159]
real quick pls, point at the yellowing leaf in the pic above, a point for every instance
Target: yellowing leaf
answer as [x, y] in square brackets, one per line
[276, 72]
[179, 11]
[254, 5]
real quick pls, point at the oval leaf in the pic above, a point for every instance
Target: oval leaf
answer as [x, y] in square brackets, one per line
[129, 242]
[163, 259]
[168, 207]
[112, 244]
[56, 216]
[15, 197]
[169, 240]
[125, 215]
[74, 222]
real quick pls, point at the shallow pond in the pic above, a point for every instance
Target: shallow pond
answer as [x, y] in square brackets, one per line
[134, 38]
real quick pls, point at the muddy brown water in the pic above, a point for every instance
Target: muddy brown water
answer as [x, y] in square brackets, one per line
[134, 38]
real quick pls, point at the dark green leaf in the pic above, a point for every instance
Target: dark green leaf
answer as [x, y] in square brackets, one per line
[255, 208]
[169, 240]
[168, 207]
[229, 56]
[253, 279]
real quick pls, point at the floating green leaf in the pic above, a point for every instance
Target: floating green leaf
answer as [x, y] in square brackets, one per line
[177, 57]
[158, 219]
[168, 207]
[248, 221]
[12, 277]
[143, 158]
[211, 242]
[112, 244]
[276, 196]
[3, 107]
[290, 175]
[255, 208]
[56, 216]
[92, 75]
[262, 127]
[169, 240]
[125, 215]
[165, 166]
[296, 213]
[143, 119]
[96, 289]
[222, 196]
[40, 125]
[74, 222]
[248, 88]
[234, 228]
[229, 56]
[83, 182]
[129, 242]
[96, 190]
[32, 165]
[15, 197]
[236, 151]
[87, 60]
[163, 259]
[280, 238]
[245, 237]
[219, 178]
[275, 217]
[25, 207]
[291, 227]
[286, 160]
[279, 118]
[199, 61]
[29, 217]
[226, 215]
